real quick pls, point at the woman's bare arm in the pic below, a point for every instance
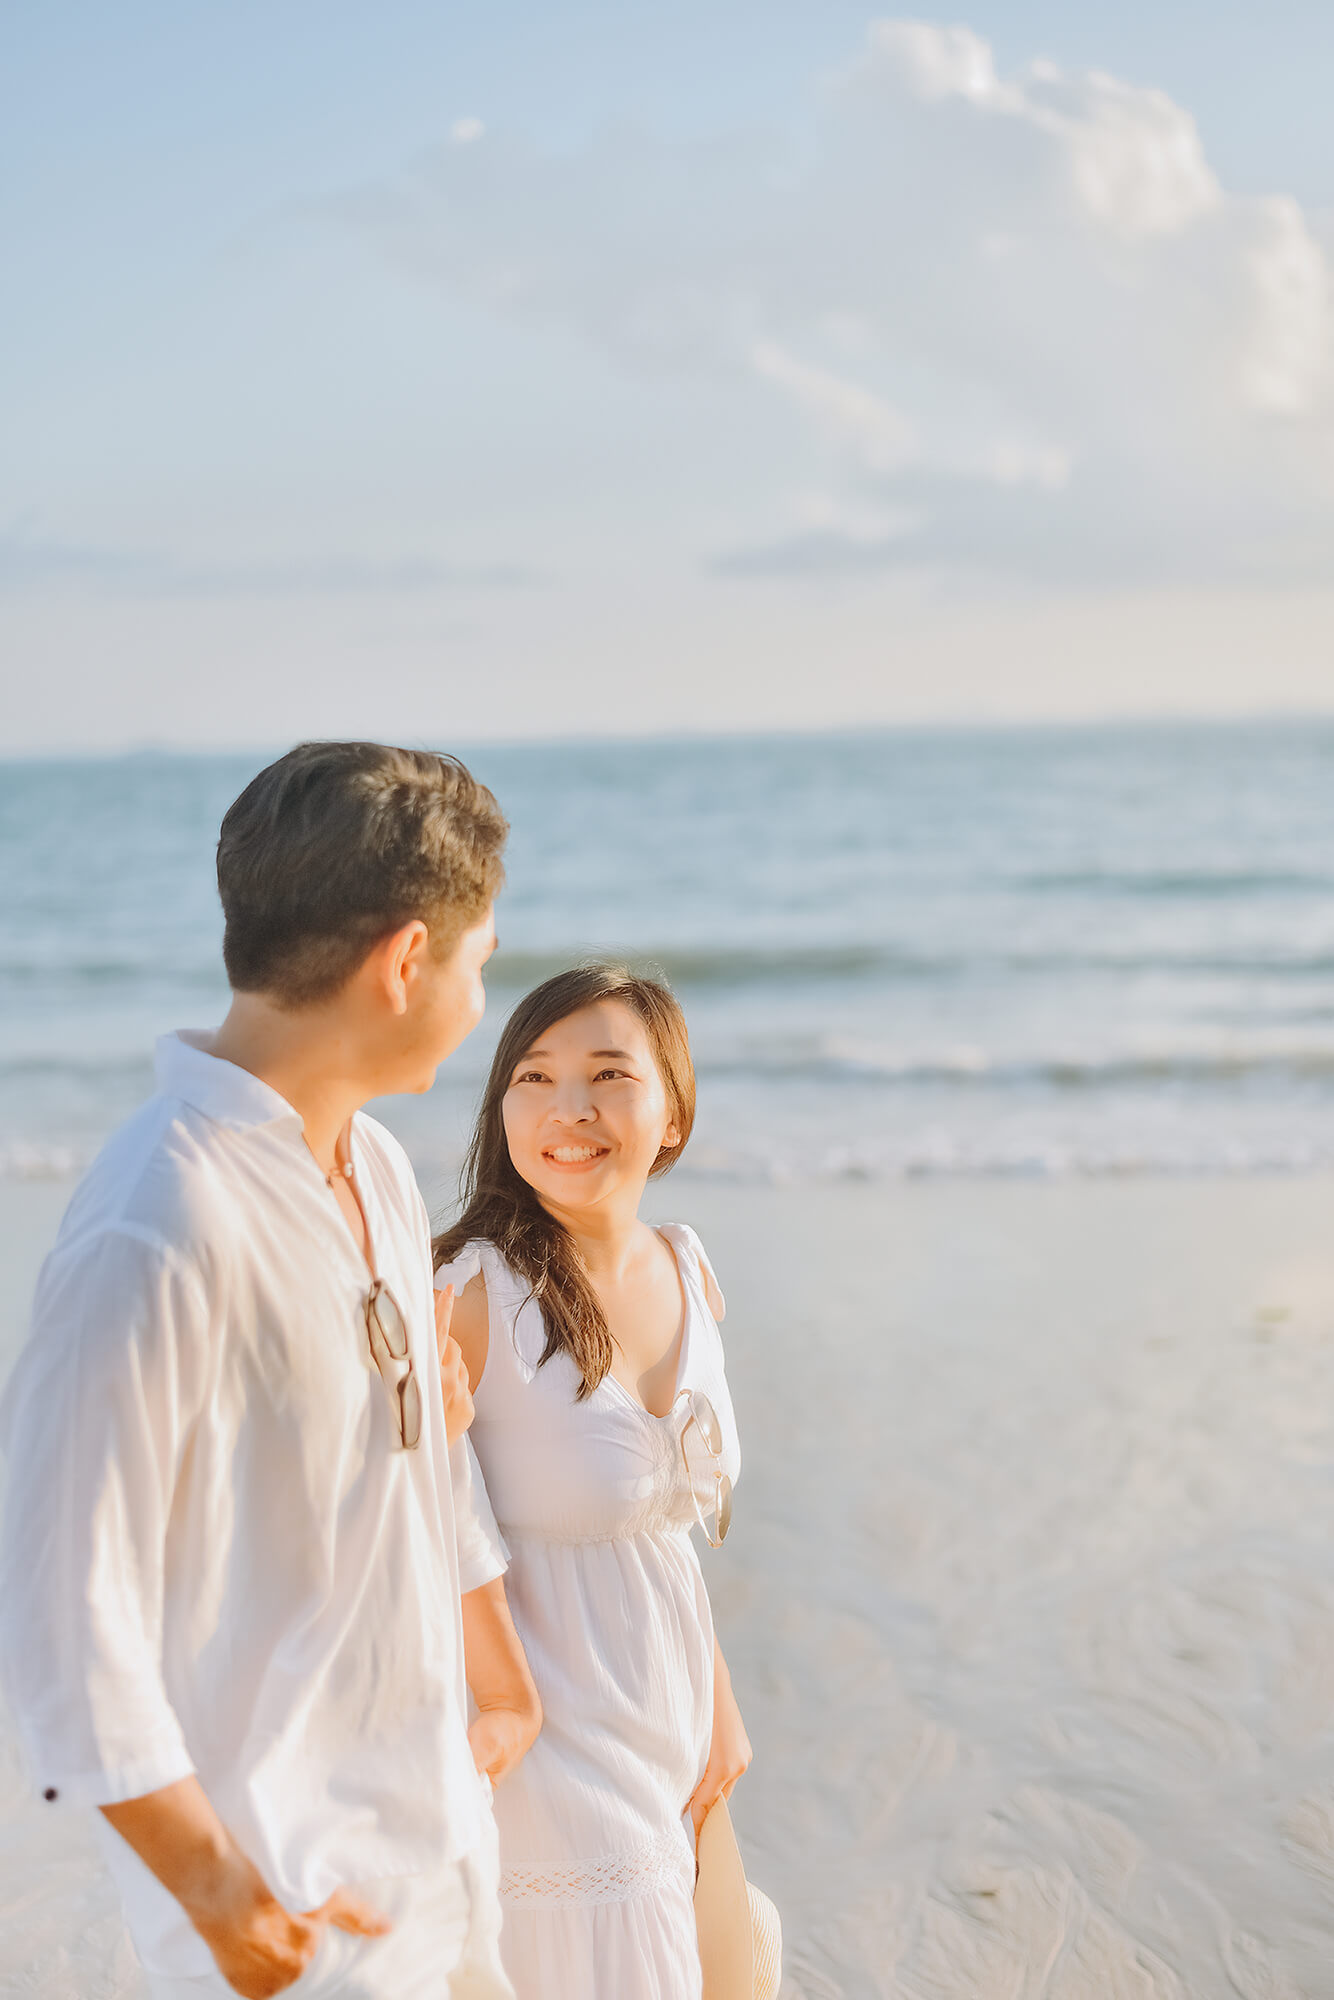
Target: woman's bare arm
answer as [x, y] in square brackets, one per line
[469, 1325]
[729, 1751]
[509, 1710]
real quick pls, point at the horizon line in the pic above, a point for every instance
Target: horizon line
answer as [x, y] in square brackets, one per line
[148, 749]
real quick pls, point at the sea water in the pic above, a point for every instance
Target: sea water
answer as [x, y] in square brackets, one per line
[1008, 951]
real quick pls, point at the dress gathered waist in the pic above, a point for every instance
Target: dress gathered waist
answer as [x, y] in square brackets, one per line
[678, 1530]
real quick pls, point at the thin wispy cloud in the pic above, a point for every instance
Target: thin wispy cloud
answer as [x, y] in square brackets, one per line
[28, 562]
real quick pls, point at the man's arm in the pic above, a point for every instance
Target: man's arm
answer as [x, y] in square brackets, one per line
[97, 1416]
[259, 1946]
[509, 1713]
[100, 1409]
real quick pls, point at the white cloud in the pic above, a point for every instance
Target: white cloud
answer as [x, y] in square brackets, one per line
[1018, 313]
[1016, 462]
[937, 62]
[466, 131]
[1135, 158]
[881, 435]
[1288, 366]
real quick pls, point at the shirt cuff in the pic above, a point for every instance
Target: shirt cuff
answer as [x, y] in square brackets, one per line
[113, 1787]
[482, 1553]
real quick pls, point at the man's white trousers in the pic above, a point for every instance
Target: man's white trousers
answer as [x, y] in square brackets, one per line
[445, 1944]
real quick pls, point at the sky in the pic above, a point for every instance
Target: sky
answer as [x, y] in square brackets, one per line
[571, 369]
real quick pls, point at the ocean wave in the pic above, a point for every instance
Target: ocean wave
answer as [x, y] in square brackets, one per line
[81, 975]
[31, 1160]
[85, 1069]
[737, 965]
[969, 1156]
[1153, 884]
[938, 1154]
[851, 963]
[837, 1060]
[722, 965]
[516, 970]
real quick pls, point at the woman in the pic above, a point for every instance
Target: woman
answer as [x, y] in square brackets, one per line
[605, 1432]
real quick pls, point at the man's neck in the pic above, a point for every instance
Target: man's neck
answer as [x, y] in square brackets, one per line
[308, 1055]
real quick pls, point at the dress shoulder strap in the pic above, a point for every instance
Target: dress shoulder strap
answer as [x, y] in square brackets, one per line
[695, 1257]
[463, 1269]
[515, 1328]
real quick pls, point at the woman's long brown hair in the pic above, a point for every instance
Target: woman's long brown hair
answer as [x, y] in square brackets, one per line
[499, 1207]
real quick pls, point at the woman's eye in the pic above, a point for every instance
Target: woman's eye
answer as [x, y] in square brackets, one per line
[529, 1076]
[608, 1075]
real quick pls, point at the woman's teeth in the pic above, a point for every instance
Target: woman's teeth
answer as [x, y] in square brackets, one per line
[573, 1156]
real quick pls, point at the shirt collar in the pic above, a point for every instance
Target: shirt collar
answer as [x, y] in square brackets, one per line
[221, 1090]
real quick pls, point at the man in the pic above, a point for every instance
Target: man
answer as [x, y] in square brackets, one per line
[241, 1553]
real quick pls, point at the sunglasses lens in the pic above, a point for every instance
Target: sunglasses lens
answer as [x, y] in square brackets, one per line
[410, 1412]
[724, 1510]
[389, 1322]
[702, 1410]
[388, 1333]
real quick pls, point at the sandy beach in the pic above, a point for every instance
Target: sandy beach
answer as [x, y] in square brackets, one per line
[1029, 1600]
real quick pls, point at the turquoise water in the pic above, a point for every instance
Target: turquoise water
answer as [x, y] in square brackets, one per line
[1009, 951]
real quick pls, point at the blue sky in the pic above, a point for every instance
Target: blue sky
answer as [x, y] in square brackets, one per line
[580, 368]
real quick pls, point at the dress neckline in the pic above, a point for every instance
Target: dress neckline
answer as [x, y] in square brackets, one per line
[687, 1318]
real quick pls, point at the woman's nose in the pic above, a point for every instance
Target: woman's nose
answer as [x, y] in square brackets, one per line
[572, 1106]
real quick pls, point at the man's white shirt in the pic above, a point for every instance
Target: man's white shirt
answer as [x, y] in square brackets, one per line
[215, 1555]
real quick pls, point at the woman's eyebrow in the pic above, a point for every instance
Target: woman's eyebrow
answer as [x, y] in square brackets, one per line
[594, 1055]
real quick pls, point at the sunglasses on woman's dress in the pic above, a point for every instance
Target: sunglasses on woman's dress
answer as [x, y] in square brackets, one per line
[714, 1514]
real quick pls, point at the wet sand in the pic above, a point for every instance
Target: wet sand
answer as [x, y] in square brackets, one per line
[1029, 1600]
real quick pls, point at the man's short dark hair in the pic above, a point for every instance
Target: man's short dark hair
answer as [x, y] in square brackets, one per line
[338, 845]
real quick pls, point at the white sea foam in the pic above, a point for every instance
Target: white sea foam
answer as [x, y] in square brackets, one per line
[25, 1160]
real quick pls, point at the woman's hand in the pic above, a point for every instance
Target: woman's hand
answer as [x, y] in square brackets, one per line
[729, 1752]
[453, 1373]
[498, 1738]
[509, 1711]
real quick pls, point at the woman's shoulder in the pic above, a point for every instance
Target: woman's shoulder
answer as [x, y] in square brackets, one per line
[490, 1297]
[468, 1321]
[686, 1242]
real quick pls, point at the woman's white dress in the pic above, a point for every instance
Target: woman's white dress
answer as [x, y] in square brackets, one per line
[593, 1499]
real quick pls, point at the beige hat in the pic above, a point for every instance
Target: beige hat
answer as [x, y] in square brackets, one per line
[740, 1938]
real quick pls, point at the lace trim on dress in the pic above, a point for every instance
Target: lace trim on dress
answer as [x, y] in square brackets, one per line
[611, 1878]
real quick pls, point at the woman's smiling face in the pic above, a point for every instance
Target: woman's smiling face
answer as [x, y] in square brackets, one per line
[585, 1112]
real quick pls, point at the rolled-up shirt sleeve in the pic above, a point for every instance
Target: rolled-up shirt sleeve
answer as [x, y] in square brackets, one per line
[483, 1555]
[94, 1424]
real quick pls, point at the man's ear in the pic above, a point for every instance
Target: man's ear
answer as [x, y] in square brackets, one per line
[399, 957]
